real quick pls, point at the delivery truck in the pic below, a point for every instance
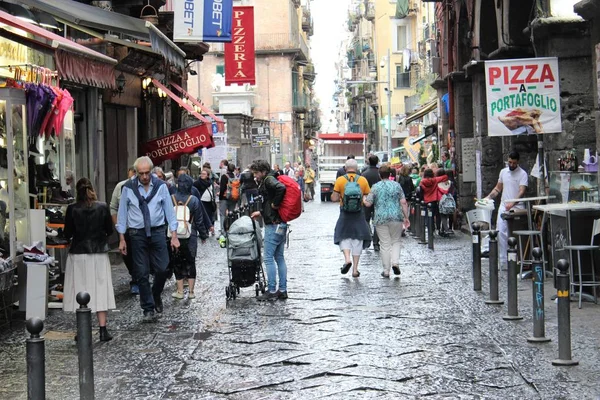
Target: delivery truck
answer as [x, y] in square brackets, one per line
[333, 150]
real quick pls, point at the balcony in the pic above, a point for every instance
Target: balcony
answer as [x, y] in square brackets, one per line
[402, 81]
[282, 43]
[307, 22]
[309, 73]
[300, 102]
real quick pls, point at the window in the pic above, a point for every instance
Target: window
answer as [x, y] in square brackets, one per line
[401, 40]
[221, 69]
[402, 78]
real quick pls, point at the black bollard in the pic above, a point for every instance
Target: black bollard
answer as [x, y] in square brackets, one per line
[411, 216]
[430, 226]
[537, 281]
[564, 315]
[417, 219]
[423, 223]
[84, 347]
[476, 256]
[493, 263]
[36, 360]
[512, 300]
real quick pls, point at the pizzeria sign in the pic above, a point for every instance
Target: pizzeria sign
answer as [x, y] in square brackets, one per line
[178, 143]
[523, 96]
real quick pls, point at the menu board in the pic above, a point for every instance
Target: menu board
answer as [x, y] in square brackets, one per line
[468, 159]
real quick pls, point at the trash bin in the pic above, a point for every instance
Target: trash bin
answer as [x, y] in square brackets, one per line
[486, 207]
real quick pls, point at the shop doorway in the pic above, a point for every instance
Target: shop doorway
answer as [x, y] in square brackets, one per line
[115, 150]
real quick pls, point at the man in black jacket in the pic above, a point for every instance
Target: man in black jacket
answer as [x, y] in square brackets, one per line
[371, 174]
[342, 170]
[272, 192]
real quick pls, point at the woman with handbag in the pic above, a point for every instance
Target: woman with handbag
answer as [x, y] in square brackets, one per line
[205, 186]
[88, 225]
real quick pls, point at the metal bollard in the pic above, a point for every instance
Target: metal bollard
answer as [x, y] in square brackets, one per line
[423, 223]
[512, 300]
[84, 347]
[417, 220]
[476, 256]
[564, 315]
[493, 262]
[36, 360]
[537, 281]
[411, 216]
[430, 226]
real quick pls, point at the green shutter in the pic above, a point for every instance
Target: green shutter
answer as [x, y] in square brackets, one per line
[221, 69]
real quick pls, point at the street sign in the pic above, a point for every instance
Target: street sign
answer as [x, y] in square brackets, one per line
[215, 130]
[260, 136]
[276, 147]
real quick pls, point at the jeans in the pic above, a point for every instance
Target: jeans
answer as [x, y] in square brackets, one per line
[128, 260]
[225, 205]
[370, 213]
[274, 246]
[389, 240]
[149, 253]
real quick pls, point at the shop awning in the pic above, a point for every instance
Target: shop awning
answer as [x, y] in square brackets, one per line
[74, 62]
[219, 121]
[179, 101]
[420, 113]
[343, 136]
[76, 14]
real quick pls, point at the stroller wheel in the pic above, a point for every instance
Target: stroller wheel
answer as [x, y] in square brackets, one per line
[232, 290]
[238, 289]
[227, 292]
[262, 288]
[256, 289]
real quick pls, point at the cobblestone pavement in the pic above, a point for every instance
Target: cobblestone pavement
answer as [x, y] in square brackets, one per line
[426, 334]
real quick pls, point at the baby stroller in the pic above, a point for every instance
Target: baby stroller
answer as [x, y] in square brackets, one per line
[244, 257]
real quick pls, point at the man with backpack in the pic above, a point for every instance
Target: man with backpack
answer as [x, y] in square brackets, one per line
[272, 192]
[352, 232]
[229, 194]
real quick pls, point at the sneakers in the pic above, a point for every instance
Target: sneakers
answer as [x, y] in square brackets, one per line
[191, 295]
[177, 295]
[396, 269]
[268, 296]
[134, 289]
[158, 304]
[281, 295]
[149, 316]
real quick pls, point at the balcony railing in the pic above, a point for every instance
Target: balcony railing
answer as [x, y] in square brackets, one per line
[370, 11]
[402, 80]
[300, 101]
[274, 42]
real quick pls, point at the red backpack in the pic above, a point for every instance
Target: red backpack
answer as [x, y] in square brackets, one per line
[291, 205]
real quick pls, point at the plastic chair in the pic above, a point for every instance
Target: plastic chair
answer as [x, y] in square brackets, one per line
[577, 280]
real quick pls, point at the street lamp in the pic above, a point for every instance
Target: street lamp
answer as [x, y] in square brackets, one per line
[387, 60]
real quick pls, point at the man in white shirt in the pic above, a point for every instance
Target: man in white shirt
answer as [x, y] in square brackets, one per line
[512, 183]
[288, 170]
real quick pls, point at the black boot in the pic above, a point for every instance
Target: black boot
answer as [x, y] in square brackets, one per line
[104, 335]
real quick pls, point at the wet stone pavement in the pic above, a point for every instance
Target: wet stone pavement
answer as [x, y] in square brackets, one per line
[426, 334]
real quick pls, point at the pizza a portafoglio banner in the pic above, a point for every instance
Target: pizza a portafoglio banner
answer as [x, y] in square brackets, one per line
[180, 142]
[523, 96]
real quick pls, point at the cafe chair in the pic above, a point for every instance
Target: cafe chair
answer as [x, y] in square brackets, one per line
[578, 279]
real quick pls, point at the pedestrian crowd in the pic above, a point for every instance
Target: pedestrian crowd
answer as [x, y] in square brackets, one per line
[160, 218]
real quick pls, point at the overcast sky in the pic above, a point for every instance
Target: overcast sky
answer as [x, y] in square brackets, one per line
[329, 19]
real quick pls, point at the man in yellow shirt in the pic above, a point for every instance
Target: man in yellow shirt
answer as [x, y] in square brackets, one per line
[309, 180]
[352, 232]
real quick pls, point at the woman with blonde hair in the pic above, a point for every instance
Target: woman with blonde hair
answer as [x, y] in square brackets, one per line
[88, 225]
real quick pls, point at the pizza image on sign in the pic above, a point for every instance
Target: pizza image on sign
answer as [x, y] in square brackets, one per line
[523, 96]
[523, 118]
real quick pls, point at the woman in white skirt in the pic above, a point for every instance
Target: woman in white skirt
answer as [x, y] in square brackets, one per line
[88, 224]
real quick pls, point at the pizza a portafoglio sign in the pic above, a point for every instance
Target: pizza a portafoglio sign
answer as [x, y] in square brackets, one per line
[523, 96]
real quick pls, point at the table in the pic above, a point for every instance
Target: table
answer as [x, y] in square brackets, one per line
[562, 236]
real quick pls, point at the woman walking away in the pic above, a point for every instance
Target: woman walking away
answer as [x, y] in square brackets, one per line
[430, 192]
[390, 218]
[183, 261]
[88, 225]
[205, 186]
[446, 204]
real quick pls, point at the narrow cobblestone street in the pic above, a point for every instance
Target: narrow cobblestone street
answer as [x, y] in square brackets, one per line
[425, 334]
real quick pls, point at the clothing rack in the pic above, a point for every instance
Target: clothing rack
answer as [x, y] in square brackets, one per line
[33, 74]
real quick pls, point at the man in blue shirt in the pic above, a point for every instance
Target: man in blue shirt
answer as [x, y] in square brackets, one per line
[144, 207]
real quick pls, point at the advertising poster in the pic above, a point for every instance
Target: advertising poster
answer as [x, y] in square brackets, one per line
[202, 20]
[523, 96]
[178, 143]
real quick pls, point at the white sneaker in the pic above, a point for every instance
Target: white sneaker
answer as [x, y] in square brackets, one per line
[177, 295]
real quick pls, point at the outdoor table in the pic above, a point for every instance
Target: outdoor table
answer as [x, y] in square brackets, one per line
[561, 217]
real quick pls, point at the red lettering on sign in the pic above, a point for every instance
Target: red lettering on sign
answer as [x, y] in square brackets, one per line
[520, 74]
[239, 54]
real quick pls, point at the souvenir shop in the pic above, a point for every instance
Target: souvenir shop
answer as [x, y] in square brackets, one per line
[37, 169]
